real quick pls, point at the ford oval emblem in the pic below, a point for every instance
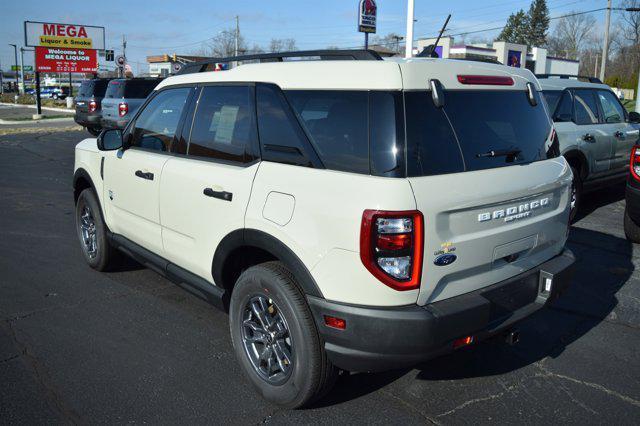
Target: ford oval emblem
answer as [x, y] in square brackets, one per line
[445, 259]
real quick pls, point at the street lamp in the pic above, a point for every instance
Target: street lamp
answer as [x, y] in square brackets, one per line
[15, 54]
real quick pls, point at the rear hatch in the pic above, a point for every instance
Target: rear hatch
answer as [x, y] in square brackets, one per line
[90, 90]
[131, 92]
[113, 96]
[486, 174]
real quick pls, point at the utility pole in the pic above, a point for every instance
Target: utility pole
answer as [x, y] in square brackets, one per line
[22, 70]
[15, 55]
[237, 34]
[124, 54]
[408, 51]
[1, 81]
[605, 48]
[595, 71]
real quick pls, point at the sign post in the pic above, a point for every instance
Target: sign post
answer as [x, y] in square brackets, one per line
[367, 11]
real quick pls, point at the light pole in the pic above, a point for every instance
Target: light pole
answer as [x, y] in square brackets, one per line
[15, 55]
[605, 48]
[408, 50]
[22, 49]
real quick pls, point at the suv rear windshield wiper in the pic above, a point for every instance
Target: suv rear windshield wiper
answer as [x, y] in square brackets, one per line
[513, 153]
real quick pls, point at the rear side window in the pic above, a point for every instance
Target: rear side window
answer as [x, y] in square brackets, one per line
[611, 109]
[224, 127]
[338, 124]
[585, 107]
[564, 110]
[552, 97]
[139, 89]
[281, 138]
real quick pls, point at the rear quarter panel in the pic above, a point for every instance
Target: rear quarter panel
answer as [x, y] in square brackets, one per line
[321, 225]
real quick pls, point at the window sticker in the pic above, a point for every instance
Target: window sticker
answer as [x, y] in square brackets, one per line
[226, 123]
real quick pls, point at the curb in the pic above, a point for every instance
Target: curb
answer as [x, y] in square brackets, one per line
[45, 120]
[34, 107]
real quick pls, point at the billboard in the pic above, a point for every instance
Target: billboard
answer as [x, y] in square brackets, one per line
[367, 11]
[50, 59]
[64, 36]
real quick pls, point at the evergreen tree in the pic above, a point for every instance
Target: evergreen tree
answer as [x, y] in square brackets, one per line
[538, 23]
[517, 28]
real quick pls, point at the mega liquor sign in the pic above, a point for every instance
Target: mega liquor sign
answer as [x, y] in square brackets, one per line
[49, 59]
[64, 36]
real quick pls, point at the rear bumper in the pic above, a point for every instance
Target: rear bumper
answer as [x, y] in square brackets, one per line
[632, 197]
[378, 339]
[87, 119]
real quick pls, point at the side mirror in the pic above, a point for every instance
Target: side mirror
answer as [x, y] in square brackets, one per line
[634, 117]
[110, 140]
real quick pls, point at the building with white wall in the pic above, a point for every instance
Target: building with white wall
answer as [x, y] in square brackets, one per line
[511, 54]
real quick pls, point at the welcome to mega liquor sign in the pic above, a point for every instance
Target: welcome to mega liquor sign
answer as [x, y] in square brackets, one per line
[64, 47]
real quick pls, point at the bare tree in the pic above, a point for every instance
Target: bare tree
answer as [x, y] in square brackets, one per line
[630, 22]
[391, 41]
[224, 44]
[571, 35]
[282, 45]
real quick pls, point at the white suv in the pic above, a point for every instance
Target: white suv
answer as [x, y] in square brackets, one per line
[358, 214]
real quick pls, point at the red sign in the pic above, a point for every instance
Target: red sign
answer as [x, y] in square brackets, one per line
[52, 59]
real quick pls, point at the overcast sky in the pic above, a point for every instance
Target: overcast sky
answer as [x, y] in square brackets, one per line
[156, 27]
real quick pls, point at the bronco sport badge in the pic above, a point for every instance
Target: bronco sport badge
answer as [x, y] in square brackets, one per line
[514, 212]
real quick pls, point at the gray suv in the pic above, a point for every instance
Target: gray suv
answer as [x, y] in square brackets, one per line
[123, 98]
[594, 130]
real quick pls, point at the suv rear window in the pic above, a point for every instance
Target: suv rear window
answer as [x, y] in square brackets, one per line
[130, 89]
[91, 88]
[498, 121]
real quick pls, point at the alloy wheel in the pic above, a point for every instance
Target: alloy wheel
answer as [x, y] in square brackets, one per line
[267, 340]
[88, 230]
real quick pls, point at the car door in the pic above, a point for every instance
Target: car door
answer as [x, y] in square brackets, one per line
[132, 176]
[623, 135]
[204, 193]
[593, 137]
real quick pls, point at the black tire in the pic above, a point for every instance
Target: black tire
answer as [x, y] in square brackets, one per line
[310, 374]
[94, 131]
[576, 194]
[631, 229]
[101, 258]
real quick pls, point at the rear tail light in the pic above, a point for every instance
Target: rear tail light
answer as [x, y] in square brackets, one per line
[488, 80]
[93, 106]
[123, 109]
[463, 341]
[635, 162]
[391, 247]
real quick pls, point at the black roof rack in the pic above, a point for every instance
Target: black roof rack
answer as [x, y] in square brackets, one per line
[577, 77]
[324, 55]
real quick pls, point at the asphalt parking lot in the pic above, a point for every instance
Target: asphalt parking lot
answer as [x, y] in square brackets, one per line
[78, 346]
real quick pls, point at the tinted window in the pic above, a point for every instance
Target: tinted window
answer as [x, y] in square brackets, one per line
[139, 89]
[432, 148]
[115, 89]
[564, 110]
[611, 109]
[223, 126]
[86, 88]
[156, 125]
[502, 121]
[551, 97]
[585, 107]
[281, 138]
[386, 134]
[337, 122]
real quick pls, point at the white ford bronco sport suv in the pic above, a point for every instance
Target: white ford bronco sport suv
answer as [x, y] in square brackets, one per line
[355, 215]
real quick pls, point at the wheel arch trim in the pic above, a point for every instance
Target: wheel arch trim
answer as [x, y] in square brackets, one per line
[258, 239]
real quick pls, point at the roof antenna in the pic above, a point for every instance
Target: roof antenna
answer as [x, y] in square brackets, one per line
[430, 51]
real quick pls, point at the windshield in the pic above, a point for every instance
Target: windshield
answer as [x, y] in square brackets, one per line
[475, 130]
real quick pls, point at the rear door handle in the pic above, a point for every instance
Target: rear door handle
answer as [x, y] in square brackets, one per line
[223, 195]
[588, 137]
[144, 175]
